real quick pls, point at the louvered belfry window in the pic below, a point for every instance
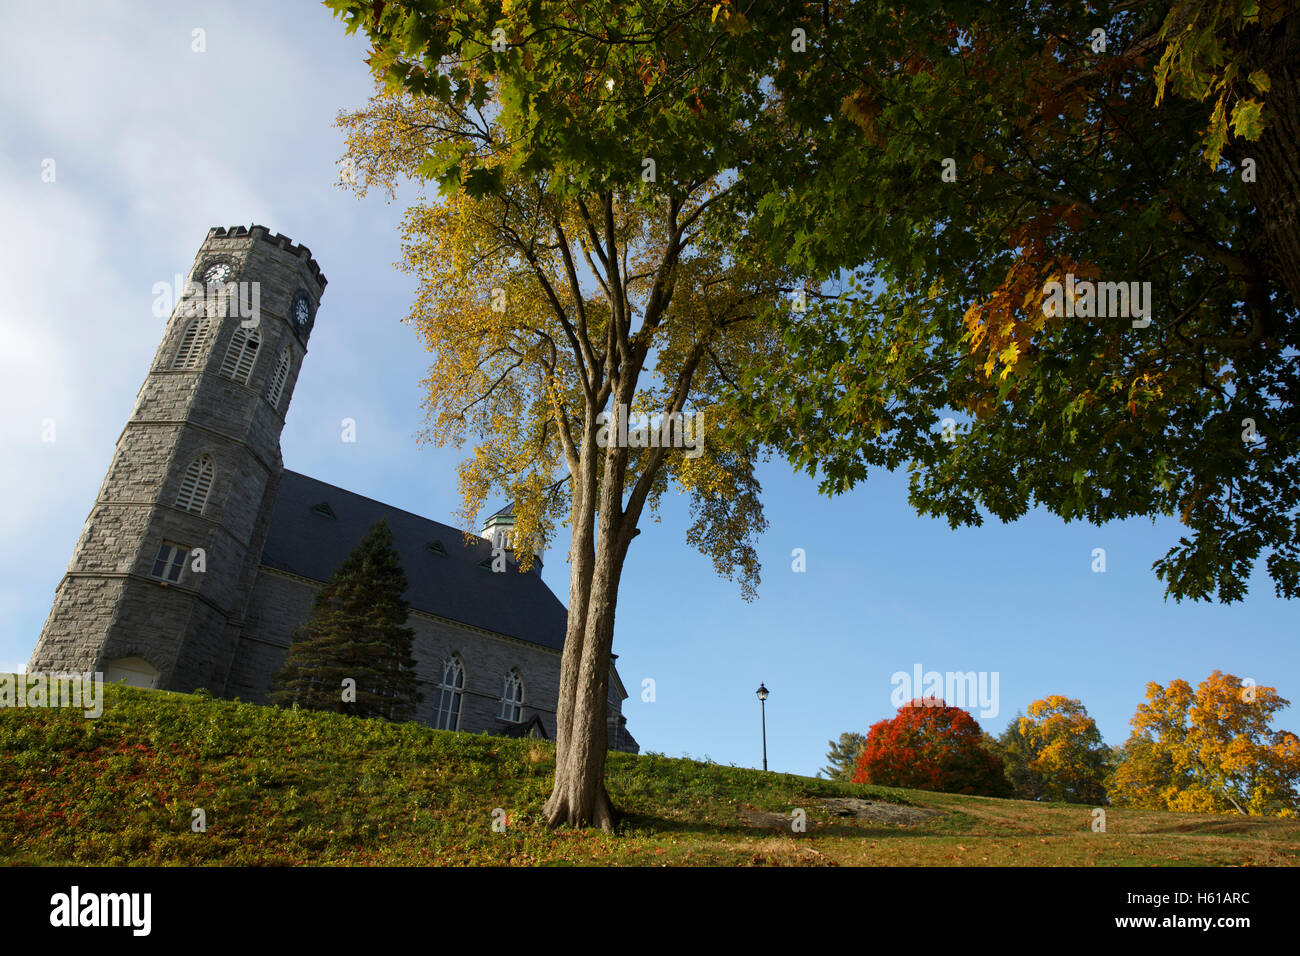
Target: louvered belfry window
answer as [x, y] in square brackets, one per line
[193, 342]
[195, 486]
[278, 379]
[238, 364]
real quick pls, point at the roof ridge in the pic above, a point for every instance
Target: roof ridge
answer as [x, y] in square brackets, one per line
[383, 504]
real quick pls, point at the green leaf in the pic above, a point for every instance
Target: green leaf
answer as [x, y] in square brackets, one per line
[482, 182]
[1248, 119]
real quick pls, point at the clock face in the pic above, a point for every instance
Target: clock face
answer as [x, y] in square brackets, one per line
[217, 274]
[301, 314]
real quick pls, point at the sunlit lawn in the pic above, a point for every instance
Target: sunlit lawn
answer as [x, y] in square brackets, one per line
[278, 787]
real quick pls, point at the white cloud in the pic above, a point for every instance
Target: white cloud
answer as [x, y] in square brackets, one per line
[153, 144]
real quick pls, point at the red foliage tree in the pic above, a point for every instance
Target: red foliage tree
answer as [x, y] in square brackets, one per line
[931, 746]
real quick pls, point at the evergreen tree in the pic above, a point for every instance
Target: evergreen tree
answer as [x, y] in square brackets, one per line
[356, 632]
[843, 756]
[1016, 753]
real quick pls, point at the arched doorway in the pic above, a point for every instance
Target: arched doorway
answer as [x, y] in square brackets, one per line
[132, 671]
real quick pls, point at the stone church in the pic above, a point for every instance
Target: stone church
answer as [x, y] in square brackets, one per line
[202, 553]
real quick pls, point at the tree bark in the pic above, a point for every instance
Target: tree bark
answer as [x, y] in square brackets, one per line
[579, 797]
[1277, 52]
[581, 559]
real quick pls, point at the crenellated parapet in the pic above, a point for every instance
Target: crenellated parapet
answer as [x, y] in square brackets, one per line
[277, 239]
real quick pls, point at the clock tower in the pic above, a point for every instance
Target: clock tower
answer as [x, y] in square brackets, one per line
[162, 574]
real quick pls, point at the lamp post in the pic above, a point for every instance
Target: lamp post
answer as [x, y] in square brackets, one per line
[762, 701]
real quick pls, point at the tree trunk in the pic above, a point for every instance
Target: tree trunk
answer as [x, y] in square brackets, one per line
[581, 561]
[579, 797]
[1277, 52]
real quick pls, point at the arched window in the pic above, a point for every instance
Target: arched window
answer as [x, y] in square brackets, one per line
[278, 378]
[238, 363]
[512, 698]
[449, 698]
[193, 343]
[195, 486]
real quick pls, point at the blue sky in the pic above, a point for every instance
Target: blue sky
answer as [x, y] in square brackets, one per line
[154, 143]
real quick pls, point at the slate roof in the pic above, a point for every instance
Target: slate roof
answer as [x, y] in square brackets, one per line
[305, 541]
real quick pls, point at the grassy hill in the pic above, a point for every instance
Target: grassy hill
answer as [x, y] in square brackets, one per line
[303, 788]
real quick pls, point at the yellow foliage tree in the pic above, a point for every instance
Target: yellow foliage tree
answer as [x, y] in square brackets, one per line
[1210, 751]
[1063, 750]
[560, 318]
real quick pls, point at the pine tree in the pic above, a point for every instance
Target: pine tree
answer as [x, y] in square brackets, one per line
[843, 756]
[356, 632]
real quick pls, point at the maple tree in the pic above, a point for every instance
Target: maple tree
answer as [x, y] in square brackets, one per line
[940, 164]
[940, 355]
[1209, 750]
[1055, 752]
[826, 127]
[929, 745]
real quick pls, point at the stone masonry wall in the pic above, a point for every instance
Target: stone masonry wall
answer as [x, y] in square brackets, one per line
[281, 602]
[107, 605]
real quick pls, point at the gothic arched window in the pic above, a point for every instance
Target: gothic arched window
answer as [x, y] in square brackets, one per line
[193, 342]
[451, 690]
[238, 363]
[512, 698]
[196, 484]
[278, 378]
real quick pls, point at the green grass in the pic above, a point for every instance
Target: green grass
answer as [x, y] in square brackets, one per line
[280, 787]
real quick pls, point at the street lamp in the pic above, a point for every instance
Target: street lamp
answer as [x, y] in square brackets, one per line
[762, 700]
